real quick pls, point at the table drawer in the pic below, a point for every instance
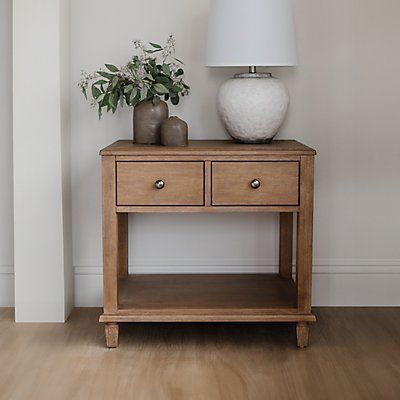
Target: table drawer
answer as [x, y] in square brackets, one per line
[278, 183]
[179, 183]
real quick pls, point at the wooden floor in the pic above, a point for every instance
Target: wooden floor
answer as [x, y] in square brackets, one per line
[353, 354]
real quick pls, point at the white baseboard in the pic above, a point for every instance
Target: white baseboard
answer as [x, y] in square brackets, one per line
[335, 282]
[6, 286]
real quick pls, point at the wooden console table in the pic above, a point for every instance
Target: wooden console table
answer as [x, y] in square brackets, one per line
[208, 176]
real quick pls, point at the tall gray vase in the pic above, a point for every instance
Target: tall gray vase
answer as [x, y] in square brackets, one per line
[147, 120]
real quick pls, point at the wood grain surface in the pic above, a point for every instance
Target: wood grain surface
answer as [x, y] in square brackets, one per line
[112, 260]
[184, 183]
[285, 245]
[304, 245]
[211, 291]
[209, 147]
[354, 355]
[231, 183]
[202, 209]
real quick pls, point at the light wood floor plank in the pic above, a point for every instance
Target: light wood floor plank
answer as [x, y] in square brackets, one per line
[353, 354]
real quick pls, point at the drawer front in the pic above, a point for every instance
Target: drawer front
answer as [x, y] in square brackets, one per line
[179, 183]
[275, 183]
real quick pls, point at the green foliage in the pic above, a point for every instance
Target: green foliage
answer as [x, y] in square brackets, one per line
[151, 74]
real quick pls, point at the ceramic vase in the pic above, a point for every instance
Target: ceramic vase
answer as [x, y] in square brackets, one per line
[147, 120]
[174, 132]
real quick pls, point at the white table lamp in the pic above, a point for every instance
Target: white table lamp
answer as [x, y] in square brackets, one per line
[252, 33]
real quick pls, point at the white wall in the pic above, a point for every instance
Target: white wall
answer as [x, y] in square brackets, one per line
[6, 174]
[343, 95]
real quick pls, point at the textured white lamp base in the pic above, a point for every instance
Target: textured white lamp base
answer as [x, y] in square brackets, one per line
[253, 107]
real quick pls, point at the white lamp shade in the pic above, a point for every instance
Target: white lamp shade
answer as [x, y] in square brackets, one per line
[251, 33]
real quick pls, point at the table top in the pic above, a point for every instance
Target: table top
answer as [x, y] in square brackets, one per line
[210, 147]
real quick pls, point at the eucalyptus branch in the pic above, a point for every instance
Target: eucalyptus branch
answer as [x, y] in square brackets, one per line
[144, 77]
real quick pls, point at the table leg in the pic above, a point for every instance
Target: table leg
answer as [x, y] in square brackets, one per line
[285, 244]
[122, 245]
[302, 332]
[111, 331]
[110, 237]
[305, 236]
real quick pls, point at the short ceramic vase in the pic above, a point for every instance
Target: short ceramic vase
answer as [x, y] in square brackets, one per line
[174, 132]
[147, 120]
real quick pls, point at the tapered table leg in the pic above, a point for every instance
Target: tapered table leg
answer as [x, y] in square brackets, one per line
[114, 258]
[111, 331]
[302, 333]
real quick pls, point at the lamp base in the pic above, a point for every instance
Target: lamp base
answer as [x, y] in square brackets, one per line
[267, 141]
[253, 107]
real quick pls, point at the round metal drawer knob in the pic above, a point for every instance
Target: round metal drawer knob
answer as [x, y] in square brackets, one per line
[159, 184]
[255, 183]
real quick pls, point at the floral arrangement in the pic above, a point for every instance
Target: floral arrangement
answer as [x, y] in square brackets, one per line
[154, 73]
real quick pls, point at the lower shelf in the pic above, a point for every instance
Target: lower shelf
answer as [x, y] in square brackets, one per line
[206, 297]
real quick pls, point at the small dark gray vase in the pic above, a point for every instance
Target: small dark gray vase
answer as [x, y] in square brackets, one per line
[174, 132]
[147, 120]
